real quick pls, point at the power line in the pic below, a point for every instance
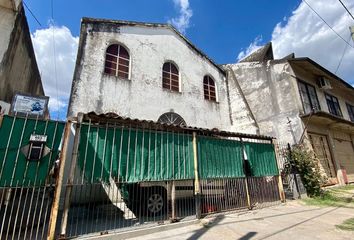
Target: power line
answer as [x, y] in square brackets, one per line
[29, 10]
[346, 9]
[340, 60]
[55, 62]
[327, 24]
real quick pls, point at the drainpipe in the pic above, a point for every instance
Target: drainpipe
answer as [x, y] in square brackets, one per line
[229, 69]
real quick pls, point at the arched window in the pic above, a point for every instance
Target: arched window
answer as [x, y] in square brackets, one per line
[209, 88]
[170, 76]
[117, 61]
[172, 118]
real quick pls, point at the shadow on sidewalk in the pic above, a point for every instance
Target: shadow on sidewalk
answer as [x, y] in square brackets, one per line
[206, 228]
[248, 236]
[297, 224]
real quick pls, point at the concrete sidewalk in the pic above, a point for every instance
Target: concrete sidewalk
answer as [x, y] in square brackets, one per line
[289, 221]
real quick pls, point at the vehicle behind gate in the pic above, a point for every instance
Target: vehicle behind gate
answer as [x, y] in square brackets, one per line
[128, 174]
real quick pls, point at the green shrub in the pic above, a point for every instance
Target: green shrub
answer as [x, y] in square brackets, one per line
[308, 168]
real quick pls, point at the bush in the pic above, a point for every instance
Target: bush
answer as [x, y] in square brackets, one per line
[308, 168]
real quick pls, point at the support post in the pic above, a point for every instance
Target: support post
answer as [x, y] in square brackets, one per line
[294, 171]
[196, 177]
[248, 194]
[173, 201]
[59, 183]
[71, 176]
[280, 181]
[245, 167]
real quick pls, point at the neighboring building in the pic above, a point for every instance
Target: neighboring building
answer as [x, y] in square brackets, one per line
[152, 72]
[18, 67]
[295, 100]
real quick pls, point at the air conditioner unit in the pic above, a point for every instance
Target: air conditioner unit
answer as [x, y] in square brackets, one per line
[324, 83]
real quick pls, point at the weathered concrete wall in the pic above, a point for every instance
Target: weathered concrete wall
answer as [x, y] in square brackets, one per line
[18, 66]
[142, 96]
[272, 95]
[7, 21]
[242, 118]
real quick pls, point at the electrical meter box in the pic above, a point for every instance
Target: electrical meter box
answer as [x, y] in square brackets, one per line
[36, 147]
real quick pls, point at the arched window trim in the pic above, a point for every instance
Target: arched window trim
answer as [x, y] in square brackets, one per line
[130, 59]
[215, 87]
[172, 118]
[179, 75]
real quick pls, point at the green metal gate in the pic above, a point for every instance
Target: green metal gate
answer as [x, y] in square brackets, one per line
[28, 151]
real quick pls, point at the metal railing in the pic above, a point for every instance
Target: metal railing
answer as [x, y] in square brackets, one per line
[113, 177]
[26, 183]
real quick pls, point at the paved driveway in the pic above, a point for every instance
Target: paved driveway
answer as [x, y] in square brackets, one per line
[289, 221]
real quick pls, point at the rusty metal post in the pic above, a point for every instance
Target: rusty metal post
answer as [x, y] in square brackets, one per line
[59, 183]
[71, 176]
[248, 194]
[196, 177]
[280, 181]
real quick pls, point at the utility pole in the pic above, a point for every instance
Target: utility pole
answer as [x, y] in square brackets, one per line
[351, 29]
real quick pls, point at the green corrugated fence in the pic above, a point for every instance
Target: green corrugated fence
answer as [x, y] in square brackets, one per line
[219, 158]
[261, 157]
[132, 155]
[15, 169]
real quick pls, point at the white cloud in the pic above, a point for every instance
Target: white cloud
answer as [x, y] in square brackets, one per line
[185, 13]
[305, 34]
[57, 88]
[255, 45]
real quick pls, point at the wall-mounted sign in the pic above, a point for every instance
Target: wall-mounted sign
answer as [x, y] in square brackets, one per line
[30, 105]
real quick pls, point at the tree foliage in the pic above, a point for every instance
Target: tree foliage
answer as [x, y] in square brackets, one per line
[307, 166]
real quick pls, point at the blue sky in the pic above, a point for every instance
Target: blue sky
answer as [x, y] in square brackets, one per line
[220, 29]
[225, 30]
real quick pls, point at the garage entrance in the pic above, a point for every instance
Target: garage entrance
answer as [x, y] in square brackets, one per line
[321, 149]
[345, 153]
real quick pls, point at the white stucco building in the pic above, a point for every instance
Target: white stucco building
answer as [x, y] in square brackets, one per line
[143, 71]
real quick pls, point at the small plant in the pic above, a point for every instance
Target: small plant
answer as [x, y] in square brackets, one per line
[307, 166]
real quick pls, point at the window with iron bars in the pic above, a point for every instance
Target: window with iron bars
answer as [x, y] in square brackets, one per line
[117, 61]
[309, 97]
[333, 105]
[170, 77]
[209, 89]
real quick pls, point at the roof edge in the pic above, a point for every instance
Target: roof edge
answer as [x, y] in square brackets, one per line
[322, 69]
[161, 25]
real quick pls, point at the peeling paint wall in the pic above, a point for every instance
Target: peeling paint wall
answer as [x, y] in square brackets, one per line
[271, 92]
[142, 96]
[18, 66]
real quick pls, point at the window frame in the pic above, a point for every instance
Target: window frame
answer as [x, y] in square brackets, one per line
[171, 87]
[308, 95]
[350, 109]
[209, 97]
[117, 62]
[330, 110]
